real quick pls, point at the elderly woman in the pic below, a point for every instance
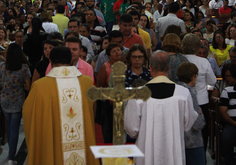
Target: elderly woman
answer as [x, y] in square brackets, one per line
[187, 73]
[172, 45]
[190, 45]
[219, 47]
[137, 58]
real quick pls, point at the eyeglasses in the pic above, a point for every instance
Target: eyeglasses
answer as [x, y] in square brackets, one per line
[234, 57]
[233, 31]
[219, 37]
[139, 57]
[72, 27]
[228, 76]
[89, 14]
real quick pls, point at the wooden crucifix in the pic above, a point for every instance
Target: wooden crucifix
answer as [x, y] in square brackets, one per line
[118, 95]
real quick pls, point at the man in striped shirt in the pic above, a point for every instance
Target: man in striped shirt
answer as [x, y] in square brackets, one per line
[228, 111]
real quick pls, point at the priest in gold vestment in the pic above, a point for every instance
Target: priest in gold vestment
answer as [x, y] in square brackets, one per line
[58, 116]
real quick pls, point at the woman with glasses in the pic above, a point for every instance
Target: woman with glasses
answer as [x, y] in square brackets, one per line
[232, 36]
[219, 47]
[137, 59]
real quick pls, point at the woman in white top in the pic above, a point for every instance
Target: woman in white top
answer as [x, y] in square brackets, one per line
[159, 12]
[47, 24]
[191, 44]
[189, 6]
[232, 36]
[204, 7]
[216, 4]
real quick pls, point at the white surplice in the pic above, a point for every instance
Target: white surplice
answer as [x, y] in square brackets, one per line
[159, 125]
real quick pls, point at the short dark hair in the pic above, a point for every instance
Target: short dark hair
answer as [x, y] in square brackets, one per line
[210, 21]
[75, 40]
[60, 9]
[75, 34]
[110, 47]
[126, 18]
[134, 13]
[55, 35]
[197, 31]
[84, 49]
[233, 14]
[232, 49]
[60, 55]
[115, 34]
[74, 20]
[174, 7]
[50, 42]
[186, 71]
[86, 26]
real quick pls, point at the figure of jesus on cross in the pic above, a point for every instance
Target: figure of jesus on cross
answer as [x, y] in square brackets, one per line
[118, 95]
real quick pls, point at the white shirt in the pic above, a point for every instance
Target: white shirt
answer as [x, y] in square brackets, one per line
[50, 27]
[203, 10]
[85, 42]
[164, 22]
[159, 125]
[216, 5]
[205, 77]
[192, 10]
[230, 42]
[157, 15]
[231, 2]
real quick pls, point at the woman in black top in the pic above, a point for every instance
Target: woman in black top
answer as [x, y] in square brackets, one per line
[41, 66]
[32, 45]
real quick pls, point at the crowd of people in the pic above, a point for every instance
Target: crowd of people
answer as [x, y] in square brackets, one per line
[176, 49]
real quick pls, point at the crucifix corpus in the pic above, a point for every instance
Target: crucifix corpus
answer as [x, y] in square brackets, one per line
[118, 95]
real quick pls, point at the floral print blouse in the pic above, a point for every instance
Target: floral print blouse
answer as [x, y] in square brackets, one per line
[13, 95]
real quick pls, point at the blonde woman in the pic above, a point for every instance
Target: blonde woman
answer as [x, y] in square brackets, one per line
[172, 45]
[47, 25]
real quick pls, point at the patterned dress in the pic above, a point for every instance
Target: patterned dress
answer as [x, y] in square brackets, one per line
[13, 95]
[175, 61]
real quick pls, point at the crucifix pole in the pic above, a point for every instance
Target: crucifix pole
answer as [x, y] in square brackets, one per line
[119, 94]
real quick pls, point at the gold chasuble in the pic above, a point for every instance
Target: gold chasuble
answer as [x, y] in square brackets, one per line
[58, 119]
